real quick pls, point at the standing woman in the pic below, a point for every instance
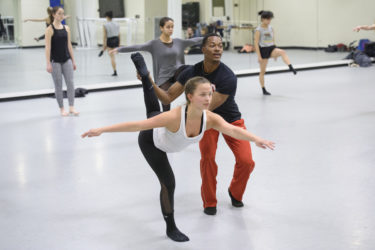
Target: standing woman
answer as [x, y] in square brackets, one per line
[167, 54]
[172, 131]
[111, 34]
[60, 59]
[265, 47]
[48, 20]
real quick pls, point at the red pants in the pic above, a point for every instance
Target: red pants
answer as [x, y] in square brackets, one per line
[242, 169]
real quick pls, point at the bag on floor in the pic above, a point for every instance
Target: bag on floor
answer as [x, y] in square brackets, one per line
[350, 56]
[342, 47]
[362, 43]
[331, 48]
[362, 59]
[80, 92]
[370, 49]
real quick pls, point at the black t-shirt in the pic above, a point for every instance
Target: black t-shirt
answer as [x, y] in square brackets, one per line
[225, 82]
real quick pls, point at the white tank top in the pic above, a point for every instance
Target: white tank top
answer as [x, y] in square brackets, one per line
[170, 142]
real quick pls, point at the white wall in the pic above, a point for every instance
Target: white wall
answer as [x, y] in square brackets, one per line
[243, 12]
[137, 7]
[155, 8]
[295, 22]
[310, 23]
[317, 23]
[336, 20]
[8, 8]
[27, 31]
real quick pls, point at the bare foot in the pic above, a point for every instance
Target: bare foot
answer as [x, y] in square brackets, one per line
[73, 112]
[64, 113]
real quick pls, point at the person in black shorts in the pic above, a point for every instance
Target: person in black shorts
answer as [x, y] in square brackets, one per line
[111, 40]
[265, 47]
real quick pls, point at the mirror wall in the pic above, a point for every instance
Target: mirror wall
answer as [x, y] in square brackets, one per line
[303, 28]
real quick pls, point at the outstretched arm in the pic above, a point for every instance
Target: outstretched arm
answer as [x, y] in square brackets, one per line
[217, 122]
[364, 27]
[192, 41]
[164, 119]
[35, 20]
[136, 47]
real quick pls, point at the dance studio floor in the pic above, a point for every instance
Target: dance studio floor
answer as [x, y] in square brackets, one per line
[315, 191]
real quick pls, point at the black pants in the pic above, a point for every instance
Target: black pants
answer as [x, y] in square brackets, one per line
[156, 158]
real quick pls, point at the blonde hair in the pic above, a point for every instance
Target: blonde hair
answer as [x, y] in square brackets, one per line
[192, 84]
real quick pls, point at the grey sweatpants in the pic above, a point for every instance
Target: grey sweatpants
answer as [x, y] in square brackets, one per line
[58, 70]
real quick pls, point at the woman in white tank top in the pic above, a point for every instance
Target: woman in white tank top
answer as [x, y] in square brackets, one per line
[172, 131]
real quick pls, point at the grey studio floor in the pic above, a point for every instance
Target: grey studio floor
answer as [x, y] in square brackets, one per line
[314, 191]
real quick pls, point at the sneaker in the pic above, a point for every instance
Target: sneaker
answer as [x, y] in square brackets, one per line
[210, 210]
[235, 203]
[265, 92]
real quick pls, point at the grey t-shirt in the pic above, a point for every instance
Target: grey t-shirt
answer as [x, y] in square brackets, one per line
[166, 58]
[112, 29]
[266, 36]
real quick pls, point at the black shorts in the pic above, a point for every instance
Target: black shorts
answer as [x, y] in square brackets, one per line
[113, 42]
[265, 52]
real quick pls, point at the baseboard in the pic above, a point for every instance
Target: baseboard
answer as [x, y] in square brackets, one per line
[302, 47]
[31, 94]
[135, 84]
[290, 47]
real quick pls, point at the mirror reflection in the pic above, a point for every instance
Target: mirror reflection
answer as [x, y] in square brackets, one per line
[309, 33]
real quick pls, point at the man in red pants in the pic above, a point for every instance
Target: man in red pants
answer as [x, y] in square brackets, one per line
[223, 103]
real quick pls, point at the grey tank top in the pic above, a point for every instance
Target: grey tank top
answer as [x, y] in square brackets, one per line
[170, 142]
[112, 28]
[266, 36]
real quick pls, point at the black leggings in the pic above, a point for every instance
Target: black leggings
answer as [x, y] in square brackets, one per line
[41, 37]
[156, 158]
